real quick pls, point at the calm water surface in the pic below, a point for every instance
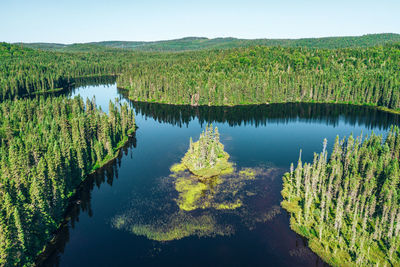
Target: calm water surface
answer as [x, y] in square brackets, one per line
[138, 187]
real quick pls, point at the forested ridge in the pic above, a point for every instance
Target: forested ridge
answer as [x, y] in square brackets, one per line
[348, 207]
[201, 43]
[270, 75]
[48, 146]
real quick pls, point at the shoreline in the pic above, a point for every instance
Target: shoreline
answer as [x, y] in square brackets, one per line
[380, 108]
[70, 84]
[71, 201]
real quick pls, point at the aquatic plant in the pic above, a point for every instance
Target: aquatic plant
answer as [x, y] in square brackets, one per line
[203, 194]
[178, 226]
[199, 207]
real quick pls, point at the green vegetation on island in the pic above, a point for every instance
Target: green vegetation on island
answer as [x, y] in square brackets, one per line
[348, 207]
[48, 146]
[206, 157]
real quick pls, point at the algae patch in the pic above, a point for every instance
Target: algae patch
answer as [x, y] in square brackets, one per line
[218, 192]
[179, 167]
[181, 225]
[184, 205]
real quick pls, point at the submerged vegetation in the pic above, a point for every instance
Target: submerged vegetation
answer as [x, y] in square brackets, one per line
[200, 205]
[177, 226]
[48, 146]
[203, 194]
[206, 157]
[201, 202]
[348, 207]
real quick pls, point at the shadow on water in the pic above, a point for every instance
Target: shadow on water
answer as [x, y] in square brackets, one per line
[261, 115]
[69, 86]
[81, 203]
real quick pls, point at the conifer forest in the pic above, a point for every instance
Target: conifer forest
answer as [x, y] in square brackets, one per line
[347, 205]
[268, 98]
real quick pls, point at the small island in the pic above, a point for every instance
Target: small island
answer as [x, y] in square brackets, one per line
[206, 157]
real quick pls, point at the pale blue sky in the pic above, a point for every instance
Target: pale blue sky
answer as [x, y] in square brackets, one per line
[70, 21]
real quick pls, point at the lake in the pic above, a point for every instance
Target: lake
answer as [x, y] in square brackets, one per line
[128, 213]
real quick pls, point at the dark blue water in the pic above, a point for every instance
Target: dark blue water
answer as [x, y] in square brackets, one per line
[138, 183]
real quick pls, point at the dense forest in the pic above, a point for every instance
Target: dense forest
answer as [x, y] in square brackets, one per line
[269, 75]
[48, 146]
[199, 43]
[218, 77]
[348, 207]
[26, 71]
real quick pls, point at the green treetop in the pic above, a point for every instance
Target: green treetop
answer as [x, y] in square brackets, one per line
[206, 157]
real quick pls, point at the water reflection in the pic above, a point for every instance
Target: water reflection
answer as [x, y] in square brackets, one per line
[81, 203]
[82, 82]
[261, 115]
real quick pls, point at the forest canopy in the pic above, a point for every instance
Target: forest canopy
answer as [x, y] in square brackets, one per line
[260, 75]
[347, 206]
[48, 146]
[254, 75]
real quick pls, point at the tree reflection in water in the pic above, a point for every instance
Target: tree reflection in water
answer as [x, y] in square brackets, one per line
[81, 203]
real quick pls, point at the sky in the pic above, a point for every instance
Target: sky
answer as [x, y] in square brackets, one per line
[77, 21]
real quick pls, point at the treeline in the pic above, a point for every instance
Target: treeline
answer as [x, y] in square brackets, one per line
[199, 43]
[270, 74]
[48, 146]
[253, 75]
[51, 255]
[25, 71]
[348, 207]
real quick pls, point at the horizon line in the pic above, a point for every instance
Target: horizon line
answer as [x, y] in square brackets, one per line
[201, 37]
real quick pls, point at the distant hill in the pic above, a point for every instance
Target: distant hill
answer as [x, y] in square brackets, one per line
[43, 46]
[198, 43]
